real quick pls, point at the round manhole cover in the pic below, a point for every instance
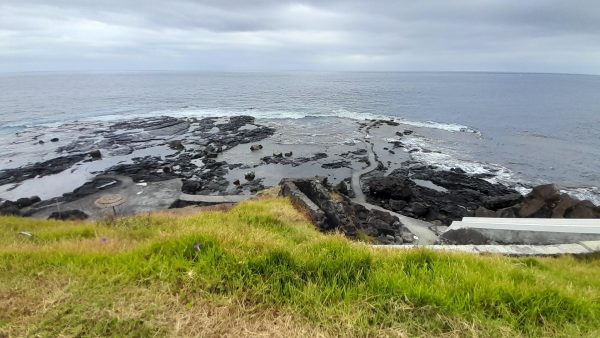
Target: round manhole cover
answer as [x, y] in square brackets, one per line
[108, 201]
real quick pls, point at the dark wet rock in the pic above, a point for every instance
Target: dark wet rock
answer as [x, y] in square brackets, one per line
[418, 209]
[236, 182]
[50, 167]
[176, 145]
[9, 208]
[256, 147]
[54, 139]
[288, 154]
[342, 188]
[143, 169]
[391, 187]
[331, 211]
[41, 142]
[503, 201]
[249, 176]
[279, 154]
[27, 201]
[397, 205]
[336, 165]
[69, 215]
[462, 194]
[315, 157]
[191, 187]
[407, 132]
[95, 154]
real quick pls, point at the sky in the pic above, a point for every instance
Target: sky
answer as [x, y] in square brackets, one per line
[326, 35]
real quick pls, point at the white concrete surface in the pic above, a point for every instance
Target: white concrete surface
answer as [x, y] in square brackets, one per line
[581, 248]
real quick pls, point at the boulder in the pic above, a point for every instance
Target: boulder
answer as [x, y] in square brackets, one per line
[289, 154]
[176, 145]
[191, 186]
[95, 154]
[256, 147]
[69, 215]
[531, 207]
[54, 139]
[546, 192]
[583, 209]
[27, 201]
[9, 208]
[565, 203]
[250, 176]
[399, 188]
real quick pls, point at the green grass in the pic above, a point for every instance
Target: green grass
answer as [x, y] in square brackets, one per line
[261, 268]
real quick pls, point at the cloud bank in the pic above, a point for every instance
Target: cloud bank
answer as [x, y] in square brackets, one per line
[240, 35]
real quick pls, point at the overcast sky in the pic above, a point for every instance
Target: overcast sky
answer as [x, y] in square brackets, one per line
[452, 35]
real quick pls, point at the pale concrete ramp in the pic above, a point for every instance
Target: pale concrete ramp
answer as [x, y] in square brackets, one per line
[579, 248]
[214, 198]
[523, 230]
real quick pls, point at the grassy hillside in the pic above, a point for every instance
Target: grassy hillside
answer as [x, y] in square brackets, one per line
[261, 269]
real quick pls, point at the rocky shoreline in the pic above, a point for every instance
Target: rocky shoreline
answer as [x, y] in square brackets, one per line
[146, 157]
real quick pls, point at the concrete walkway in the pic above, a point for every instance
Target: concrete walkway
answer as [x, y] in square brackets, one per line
[214, 198]
[417, 227]
[579, 248]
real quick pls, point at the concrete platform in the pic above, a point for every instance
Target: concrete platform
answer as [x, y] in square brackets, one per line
[540, 231]
[581, 248]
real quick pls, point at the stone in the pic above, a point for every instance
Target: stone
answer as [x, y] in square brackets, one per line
[27, 201]
[191, 186]
[391, 187]
[584, 209]
[531, 206]
[69, 215]
[502, 201]
[546, 192]
[54, 139]
[565, 203]
[289, 154]
[256, 147]
[9, 208]
[250, 176]
[397, 205]
[418, 209]
[176, 145]
[236, 182]
[95, 154]
[483, 212]
[510, 212]
[407, 132]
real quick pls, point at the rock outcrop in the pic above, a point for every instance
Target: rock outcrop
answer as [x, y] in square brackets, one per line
[331, 211]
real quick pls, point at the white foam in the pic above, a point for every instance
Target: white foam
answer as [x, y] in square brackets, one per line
[592, 194]
[287, 114]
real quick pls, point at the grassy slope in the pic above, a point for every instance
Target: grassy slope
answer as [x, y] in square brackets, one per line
[262, 268]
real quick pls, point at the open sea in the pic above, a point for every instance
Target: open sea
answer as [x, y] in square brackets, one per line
[527, 128]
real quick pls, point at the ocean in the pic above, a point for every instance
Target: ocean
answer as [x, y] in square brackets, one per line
[524, 128]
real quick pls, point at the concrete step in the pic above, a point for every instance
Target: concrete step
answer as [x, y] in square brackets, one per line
[533, 226]
[534, 221]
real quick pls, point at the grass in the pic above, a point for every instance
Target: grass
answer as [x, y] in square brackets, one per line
[262, 269]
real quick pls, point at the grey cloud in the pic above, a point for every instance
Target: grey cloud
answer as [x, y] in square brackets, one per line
[487, 35]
